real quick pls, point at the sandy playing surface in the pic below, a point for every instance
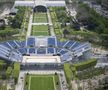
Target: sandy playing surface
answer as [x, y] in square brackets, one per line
[41, 59]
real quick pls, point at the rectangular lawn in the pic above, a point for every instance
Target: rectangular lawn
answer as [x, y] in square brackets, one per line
[40, 18]
[40, 27]
[41, 83]
[37, 33]
[40, 30]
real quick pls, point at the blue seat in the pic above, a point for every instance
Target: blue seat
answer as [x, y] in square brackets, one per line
[50, 50]
[13, 44]
[58, 49]
[31, 42]
[6, 44]
[41, 50]
[59, 44]
[18, 43]
[51, 41]
[31, 50]
[23, 50]
[63, 52]
[75, 45]
[23, 43]
[69, 44]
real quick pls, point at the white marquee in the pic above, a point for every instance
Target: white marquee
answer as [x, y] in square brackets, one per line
[36, 3]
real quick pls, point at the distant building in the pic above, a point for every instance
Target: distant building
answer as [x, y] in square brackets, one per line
[105, 3]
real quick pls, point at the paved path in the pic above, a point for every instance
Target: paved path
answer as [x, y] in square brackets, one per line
[74, 85]
[30, 25]
[21, 79]
[40, 23]
[50, 23]
[20, 84]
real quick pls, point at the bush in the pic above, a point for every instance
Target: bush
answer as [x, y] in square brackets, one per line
[8, 72]
[68, 72]
[86, 64]
[16, 71]
[2, 64]
[4, 87]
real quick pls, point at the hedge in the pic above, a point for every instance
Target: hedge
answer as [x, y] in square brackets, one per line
[86, 64]
[16, 71]
[8, 72]
[2, 64]
[68, 72]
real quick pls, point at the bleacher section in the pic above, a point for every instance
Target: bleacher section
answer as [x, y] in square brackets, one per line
[15, 50]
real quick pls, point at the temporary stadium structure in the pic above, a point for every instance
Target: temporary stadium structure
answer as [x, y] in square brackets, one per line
[42, 46]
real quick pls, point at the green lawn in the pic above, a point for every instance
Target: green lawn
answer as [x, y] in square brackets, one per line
[40, 27]
[40, 33]
[41, 83]
[40, 17]
[40, 30]
[40, 14]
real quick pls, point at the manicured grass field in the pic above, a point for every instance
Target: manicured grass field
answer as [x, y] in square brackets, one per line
[42, 83]
[40, 30]
[40, 27]
[40, 18]
[40, 33]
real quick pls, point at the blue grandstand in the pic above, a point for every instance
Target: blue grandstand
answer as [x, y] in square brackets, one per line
[15, 50]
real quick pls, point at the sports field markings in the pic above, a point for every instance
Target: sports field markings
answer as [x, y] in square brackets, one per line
[42, 76]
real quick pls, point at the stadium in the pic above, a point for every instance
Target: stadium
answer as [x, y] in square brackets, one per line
[41, 55]
[42, 49]
[42, 46]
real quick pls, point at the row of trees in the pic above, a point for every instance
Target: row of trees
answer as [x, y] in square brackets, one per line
[56, 23]
[16, 22]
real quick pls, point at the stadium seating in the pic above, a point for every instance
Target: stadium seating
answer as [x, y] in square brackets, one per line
[31, 50]
[50, 50]
[15, 50]
[30, 42]
[51, 42]
[41, 50]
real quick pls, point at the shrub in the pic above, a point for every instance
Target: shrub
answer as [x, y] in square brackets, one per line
[85, 64]
[16, 71]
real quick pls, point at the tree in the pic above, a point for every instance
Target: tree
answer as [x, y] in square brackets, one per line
[8, 72]
[66, 32]
[2, 24]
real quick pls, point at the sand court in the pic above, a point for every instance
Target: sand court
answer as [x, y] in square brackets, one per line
[41, 59]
